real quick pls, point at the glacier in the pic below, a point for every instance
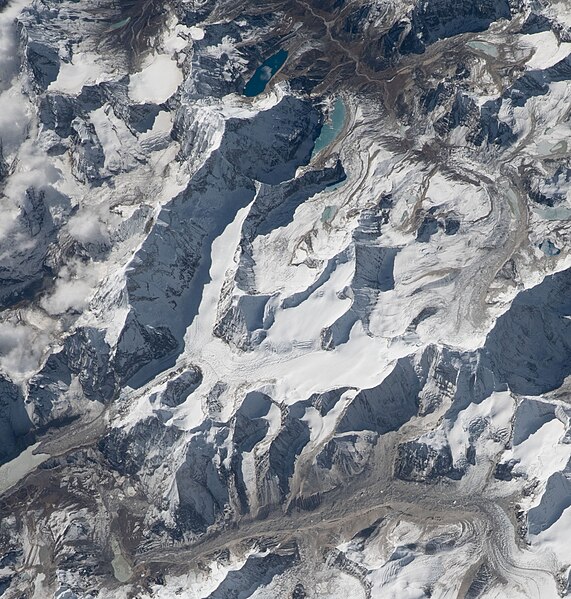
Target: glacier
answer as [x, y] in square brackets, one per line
[237, 361]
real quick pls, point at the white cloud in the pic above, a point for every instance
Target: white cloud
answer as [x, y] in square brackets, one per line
[9, 59]
[21, 349]
[14, 120]
[86, 227]
[73, 289]
[33, 170]
[68, 295]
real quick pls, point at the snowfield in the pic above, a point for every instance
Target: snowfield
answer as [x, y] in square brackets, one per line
[232, 366]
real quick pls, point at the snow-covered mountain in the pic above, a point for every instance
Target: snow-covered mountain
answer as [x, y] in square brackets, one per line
[308, 341]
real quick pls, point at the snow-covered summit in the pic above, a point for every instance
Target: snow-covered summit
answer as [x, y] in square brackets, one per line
[238, 361]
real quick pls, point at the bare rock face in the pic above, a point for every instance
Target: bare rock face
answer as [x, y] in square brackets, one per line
[43, 62]
[200, 213]
[306, 341]
[72, 378]
[15, 424]
[23, 271]
[87, 151]
[418, 26]
[538, 332]
[421, 462]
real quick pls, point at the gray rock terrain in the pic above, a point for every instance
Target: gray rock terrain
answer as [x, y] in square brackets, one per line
[308, 342]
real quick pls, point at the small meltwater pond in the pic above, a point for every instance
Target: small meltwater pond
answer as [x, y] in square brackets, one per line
[264, 74]
[119, 24]
[332, 128]
[484, 47]
[554, 213]
[328, 214]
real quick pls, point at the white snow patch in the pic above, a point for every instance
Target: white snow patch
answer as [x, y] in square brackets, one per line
[547, 50]
[196, 33]
[178, 40]
[157, 82]
[84, 69]
[541, 455]
[556, 538]
[15, 470]
[302, 325]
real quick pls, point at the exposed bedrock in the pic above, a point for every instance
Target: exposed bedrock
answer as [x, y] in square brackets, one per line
[418, 461]
[257, 570]
[15, 424]
[80, 372]
[530, 344]
[25, 266]
[283, 373]
[172, 266]
[421, 25]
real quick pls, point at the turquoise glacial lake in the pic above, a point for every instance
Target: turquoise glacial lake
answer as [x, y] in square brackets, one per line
[331, 128]
[264, 74]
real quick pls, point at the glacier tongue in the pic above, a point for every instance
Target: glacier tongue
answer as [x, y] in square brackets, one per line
[231, 366]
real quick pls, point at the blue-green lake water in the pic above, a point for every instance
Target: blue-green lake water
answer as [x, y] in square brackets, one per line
[119, 24]
[484, 47]
[264, 73]
[332, 128]
[328, 214]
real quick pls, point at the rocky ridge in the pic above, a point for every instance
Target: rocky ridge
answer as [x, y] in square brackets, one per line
[256, 370]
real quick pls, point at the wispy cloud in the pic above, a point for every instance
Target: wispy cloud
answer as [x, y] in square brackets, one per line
[86, 228]
[73, 288]
[21, 349]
